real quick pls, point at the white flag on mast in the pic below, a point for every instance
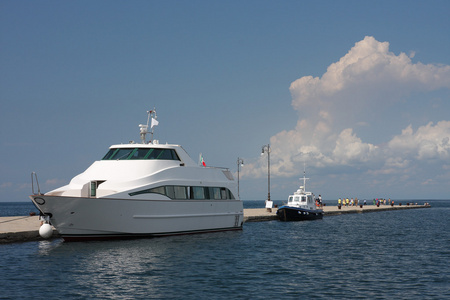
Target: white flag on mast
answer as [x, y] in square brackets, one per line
[154, 122]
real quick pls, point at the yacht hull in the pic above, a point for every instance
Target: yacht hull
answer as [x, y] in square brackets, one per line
[78, 218]
[286, 213]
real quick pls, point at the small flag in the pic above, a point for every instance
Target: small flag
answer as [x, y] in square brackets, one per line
[154, 122]
[201, 160]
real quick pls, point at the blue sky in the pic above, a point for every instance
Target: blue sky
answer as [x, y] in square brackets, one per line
[360, 90]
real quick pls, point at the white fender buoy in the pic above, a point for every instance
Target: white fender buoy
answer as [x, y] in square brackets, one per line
[45, 231]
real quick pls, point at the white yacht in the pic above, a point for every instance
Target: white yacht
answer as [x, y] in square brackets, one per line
[143, 190]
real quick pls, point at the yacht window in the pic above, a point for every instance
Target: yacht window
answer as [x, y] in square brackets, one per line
[197, 192]
[290, 199]
[140, 153]
[174, 154]
[180, 192]
[296, 199]
[152, 154]
[170, 192]
[155, 154]
[303, 199]
[158, 190]
[167, 154]
[214, 193]
[223, 193]
[109, 154]
[93, 189]
[122, 153]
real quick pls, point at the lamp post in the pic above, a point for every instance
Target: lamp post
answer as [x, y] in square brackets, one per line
[266, 148]
[240, 163]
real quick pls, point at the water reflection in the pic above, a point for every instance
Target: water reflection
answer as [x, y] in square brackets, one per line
[45, 247]
[140, 268]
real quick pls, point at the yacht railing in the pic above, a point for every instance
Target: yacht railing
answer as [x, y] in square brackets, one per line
[33, 178]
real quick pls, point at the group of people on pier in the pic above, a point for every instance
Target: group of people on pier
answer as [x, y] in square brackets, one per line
[349, 202]
[382, 201]
[355, 202]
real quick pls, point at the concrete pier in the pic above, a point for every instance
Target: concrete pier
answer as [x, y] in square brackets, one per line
[261, 214]
[21, 229]
[26, 228]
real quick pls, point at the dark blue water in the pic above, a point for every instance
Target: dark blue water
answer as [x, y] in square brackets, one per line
[382, 255]
[10, 209]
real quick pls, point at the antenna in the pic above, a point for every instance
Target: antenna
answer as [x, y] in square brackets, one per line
[304, 176]
[143, 129]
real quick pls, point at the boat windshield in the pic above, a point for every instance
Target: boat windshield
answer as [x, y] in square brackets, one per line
[141, 153]
[290, 199]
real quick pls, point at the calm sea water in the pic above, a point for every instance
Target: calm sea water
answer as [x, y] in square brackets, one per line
[383, 255]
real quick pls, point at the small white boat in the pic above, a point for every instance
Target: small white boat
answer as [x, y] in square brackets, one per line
[301, 206]
[143, 190]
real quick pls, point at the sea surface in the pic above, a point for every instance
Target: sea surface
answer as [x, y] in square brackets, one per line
[382, 255]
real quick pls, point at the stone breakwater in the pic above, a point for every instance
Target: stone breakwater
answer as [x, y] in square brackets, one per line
[26, 228]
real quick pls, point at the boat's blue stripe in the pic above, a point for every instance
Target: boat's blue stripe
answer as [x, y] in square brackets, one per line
[300, 209]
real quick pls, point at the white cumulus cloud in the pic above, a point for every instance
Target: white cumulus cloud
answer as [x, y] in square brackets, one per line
[353, 93]
[427, 142]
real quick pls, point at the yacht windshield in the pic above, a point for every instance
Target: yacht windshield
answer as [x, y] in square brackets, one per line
[141, 153]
